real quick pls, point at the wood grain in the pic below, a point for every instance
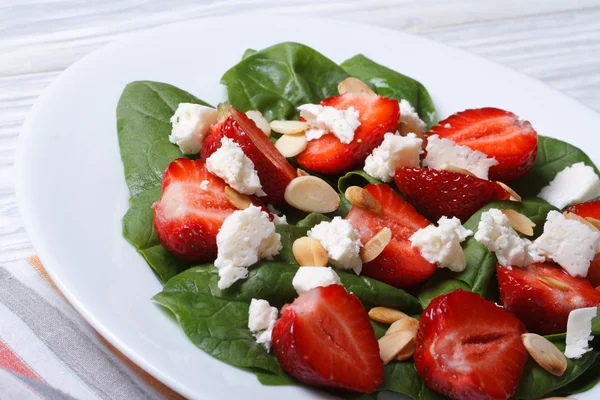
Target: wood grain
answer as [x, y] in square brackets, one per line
[555, 41]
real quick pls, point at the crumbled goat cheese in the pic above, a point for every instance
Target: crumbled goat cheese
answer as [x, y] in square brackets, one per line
[326, 119]
[395, 151]
[579, 331]
[341, 241]
[441, 244]
[204, 185]
[441, 152]
[278, 217]
[308, 278]
[190, 124]
[409, 120]
[574, 184]
[261, 320]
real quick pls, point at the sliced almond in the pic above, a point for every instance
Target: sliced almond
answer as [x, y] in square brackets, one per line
[222, 111]
[291, 145]
[593, 221]
[386, 315]
[547, 355]
[454, 168]
[260, 121]
[237, 199]
[309, 252]
[554, 283]
[289, 127]
[577, 218]
[361, 198]
[405, 324]
[391, 345]
[407, 352]
[355, 86]
[311, 194]
[302, 172]
[373, 248]
[519, 222]
[514, 196]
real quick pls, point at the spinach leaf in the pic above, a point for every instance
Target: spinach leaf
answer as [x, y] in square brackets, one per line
[344, 207]
[389, 83]
[289, 233]
[553, 156]
[355, 178]
[401, 377]
[248, 53]
[276, 80]
[583, 383]
[143, 125]
[480, 274]
[313, 219]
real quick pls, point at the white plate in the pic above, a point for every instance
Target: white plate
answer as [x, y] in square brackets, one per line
[72, 192]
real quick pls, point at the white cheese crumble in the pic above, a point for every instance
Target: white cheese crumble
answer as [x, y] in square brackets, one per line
[261, 320]
[441, 244]
[231, 164]
[447, 126]
[574, 184]
[190, 124]
[496, 234]
[260, 121]
[204, 185]
[326, 119]
[278, 217]
[341, 241]
[444, 151]
[570, 243]
[579, 331]
[395, 151]
[245, 237]
[409, 119]
[308, 278]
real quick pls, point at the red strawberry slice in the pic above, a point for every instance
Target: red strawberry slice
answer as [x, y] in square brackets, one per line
[187, 218]
[590, 209]
[274, 171]
[435, 193]
[399, 264]
[324, 338]
[497, 133]
[327, 155]
[469, 348]
[542, 295]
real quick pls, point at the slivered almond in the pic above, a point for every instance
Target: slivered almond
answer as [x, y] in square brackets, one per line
[407, 352]
[547, 355]
[260, 121]
[391, 345]
[237, 199]
[386, 315]
[361, 198]
[593, 221]
[291, 145]
[555, 283]
[222, 112]
[355, 86]
[309, 252]
[405, 324]
[520, 222]
[289, 127]
[454, 168]
[311, 194]
[373, 248]
[302, 172]
[584, 221]
[513, 195]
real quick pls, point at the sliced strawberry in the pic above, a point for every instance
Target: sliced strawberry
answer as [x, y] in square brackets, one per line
[590, 209]
[542, 295]
[497, 133]
[435, 193]
[469, 348]
[187, 218]
[274, 171]
[327, 155]
[324, 338]
[399, 264]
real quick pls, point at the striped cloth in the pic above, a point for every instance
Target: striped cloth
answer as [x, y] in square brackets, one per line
[47, 350]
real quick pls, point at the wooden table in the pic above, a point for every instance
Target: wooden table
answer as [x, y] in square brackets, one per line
[556, 41]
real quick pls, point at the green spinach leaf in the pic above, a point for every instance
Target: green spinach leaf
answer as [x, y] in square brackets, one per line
[553, 156]
[276, 80]
[389, 83]
[313, 219]
[401, 377]
[355, 178]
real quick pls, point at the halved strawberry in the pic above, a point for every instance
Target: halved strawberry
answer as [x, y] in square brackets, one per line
[542, 295]
[590, 209]
[324, 338]
[399, 264]
[274, 171]
[435, 193]
[469, 348]
[497, 133]
[187, 218]
[327, 155]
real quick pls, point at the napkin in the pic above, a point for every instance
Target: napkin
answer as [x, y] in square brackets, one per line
[48, 351]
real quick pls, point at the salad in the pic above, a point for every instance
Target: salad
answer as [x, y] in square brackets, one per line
[321, 227]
